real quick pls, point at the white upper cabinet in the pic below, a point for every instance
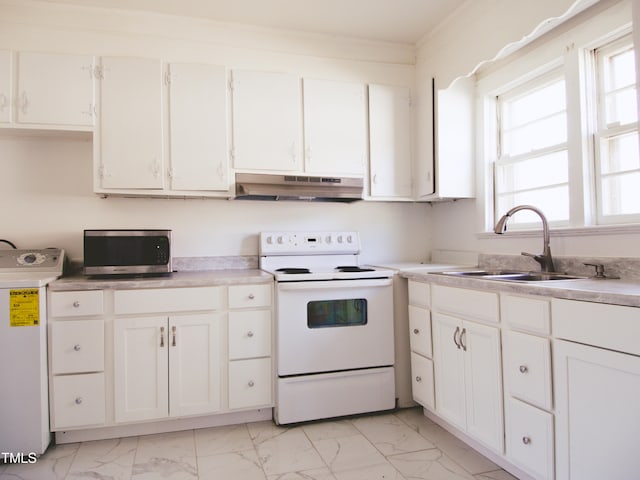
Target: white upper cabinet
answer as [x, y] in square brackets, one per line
[130, 135]
[390, 141]
[198, 127]
[335, 130]
[267, 115]
[55, 89]
[5, 86]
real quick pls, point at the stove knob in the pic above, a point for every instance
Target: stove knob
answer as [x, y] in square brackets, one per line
[339, 238]
[280, 240]
[328, 239]
[269, 240]
[349, 239]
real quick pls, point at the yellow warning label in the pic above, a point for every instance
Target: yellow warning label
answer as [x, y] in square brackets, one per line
[24, 308]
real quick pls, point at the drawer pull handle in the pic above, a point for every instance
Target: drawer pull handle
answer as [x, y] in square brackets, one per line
[251, 296]
[524, 369]
[78, 401]
[251, 384]
[76, 304]
[416, 331]
[161, 337]
[418, 378]
[173, 336]
[463, 336]
[526, 440]
[249, 334]
[77, 347]
[455, 337]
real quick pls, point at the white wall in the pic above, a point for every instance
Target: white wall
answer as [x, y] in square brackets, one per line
[46, 183]
[494, 24]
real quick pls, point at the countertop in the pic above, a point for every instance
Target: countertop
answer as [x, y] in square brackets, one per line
[611, 291]
[176, 279]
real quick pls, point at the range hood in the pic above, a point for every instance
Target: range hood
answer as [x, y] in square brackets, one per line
[261, 186]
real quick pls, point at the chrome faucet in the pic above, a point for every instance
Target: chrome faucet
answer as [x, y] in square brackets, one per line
[544, 259]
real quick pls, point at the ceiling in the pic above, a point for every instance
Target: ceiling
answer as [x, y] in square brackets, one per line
[397, 21]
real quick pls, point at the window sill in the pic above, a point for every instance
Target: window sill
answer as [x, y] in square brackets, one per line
[632, 228]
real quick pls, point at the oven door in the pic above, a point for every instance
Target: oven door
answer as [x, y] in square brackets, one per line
[328, 326]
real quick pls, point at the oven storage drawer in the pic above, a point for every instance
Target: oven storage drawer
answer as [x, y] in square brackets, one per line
[248, 296]
[249, 334]
[78, 400]
[77, 346]
[76, 304]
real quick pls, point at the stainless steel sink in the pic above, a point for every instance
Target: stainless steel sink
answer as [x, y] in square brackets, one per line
[510, 276]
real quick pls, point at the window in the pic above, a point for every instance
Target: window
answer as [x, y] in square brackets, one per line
[560, 130]
[617, 155]
[532, 164]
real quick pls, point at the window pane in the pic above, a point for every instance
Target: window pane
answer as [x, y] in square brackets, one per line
[620, 154]
[536, 104]
[622, 107]
[621, 194]
[536, 136]
[554, 202]
[534, 172]
[620, 70]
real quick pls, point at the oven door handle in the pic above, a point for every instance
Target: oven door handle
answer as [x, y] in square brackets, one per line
[333, 284]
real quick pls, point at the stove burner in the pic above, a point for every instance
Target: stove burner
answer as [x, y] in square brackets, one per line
[289, 270]
[353, 269]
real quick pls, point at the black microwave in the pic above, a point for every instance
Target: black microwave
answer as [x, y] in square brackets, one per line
[127, 252]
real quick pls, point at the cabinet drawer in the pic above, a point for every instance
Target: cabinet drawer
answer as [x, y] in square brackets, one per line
[468, 303]
[528, 314]
[249, 334]
[420, 331]
[78, 400]
[245, 296]
[530, 441]
[77, 346]
[422, 385]
[419, 294]
[76, 304]
[250, 383]
[527, 366]
[168, 300]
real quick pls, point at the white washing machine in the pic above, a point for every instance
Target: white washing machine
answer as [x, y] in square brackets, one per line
[24, 392]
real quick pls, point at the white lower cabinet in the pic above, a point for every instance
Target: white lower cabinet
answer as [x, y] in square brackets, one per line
[166, 366]
[467, 363]
[121, 357]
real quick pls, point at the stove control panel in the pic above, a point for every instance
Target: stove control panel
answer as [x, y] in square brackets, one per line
[309, 243]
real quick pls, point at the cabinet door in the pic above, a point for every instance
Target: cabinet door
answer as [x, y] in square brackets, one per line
[597, 422]
[390, 141]
[194, 364]
[483, 383]
[449, 370]
[6, 90]
[141, 370]
[267, 114]
[335, 132]
[130, 142]
[63, 96]
[198, 127]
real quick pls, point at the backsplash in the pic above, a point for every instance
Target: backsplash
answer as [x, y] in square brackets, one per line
[627, 268]
[194, 264]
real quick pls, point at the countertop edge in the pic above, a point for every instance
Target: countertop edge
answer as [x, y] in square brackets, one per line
[202, 278]
[614, 292]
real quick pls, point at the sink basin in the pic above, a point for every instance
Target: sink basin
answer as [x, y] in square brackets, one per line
[510, 276]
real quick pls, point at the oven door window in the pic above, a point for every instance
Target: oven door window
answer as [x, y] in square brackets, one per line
[337, 313]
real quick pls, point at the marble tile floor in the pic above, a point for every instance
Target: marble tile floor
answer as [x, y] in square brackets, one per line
[403, 445]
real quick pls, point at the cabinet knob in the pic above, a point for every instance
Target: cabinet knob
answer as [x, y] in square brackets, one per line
[251, 296]
[523, 369]
[251, 384]
[418, 378]
[249, 334]
[76, 304]
[526, 440]
[77, 347]
[78, 401]
[416, 331]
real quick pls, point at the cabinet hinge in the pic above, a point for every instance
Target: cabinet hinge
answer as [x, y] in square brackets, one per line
[167, 78]
[98, 72]
[231, 84]
[232, 153]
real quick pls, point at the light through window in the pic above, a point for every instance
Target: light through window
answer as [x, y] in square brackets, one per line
[532, 163]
